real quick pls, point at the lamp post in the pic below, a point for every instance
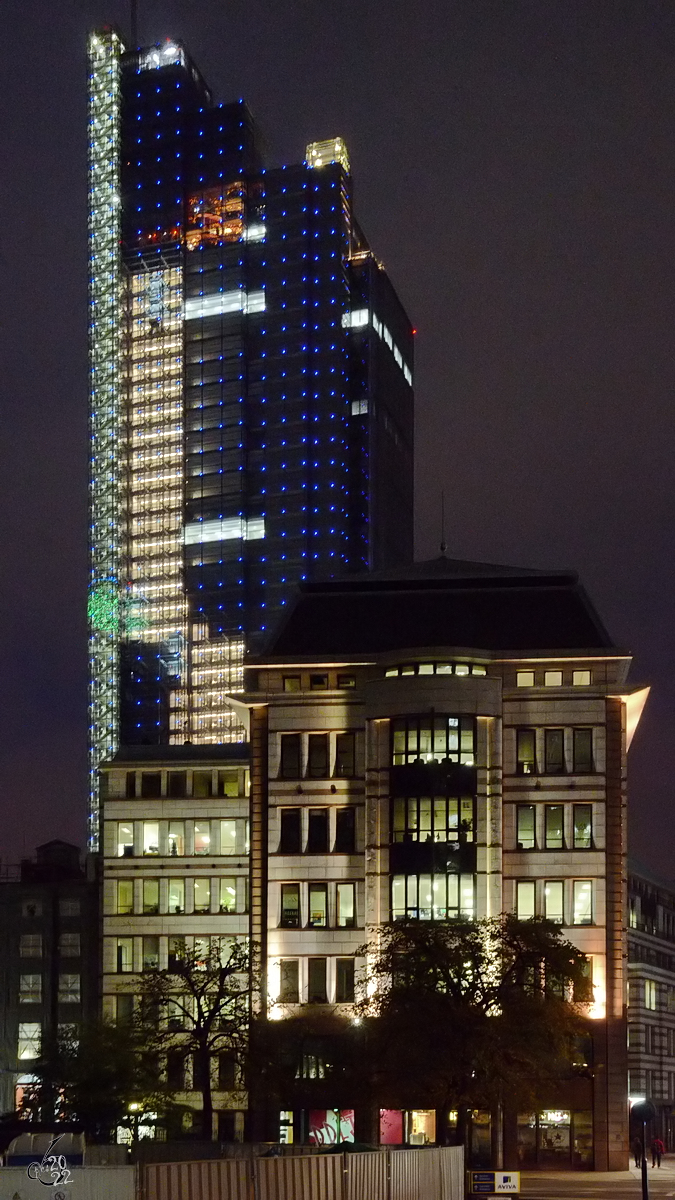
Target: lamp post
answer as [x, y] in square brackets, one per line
[643, 1112]
[135, 1110]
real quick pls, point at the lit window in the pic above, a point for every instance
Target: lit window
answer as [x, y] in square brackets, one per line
[176, 895]
[150, 837]
[433, 739]
[525, 679]
[125, 955]
[553, 826]
[583, 902]
[318, 906]
[228, 895]
[432, 897]
[290, 906]
[583, 828]
[202, 895]
[650, 994]
[30, 1034]
[125, 895]
[581, 678]
[346, 916]
[438, 819]
[151, 896]
[125, 839]
[202, 833]
[425, 668]
[30, 989]
[69, 989]
[553, 678]
[292, 683]
[461, 669]
[477, 669]
[553, 901]
[391, 671]
[176, 840]
[234, 836]
[525, 900]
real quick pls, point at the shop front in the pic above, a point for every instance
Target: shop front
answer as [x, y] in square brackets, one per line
[558, 1139]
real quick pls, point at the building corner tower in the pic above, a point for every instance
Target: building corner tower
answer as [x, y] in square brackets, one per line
[251, 396]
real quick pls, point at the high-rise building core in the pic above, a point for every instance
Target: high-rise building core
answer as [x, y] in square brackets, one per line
[252, 404]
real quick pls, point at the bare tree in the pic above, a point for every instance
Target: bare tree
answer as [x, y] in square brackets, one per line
[202, 1004]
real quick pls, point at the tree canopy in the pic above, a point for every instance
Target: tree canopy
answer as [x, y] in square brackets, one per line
[458, 1014]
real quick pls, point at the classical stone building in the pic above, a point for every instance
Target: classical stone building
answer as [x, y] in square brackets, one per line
[449, 739]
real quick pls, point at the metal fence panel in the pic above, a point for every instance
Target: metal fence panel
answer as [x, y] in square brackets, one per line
[366, 1176]
[452, 1173]
[215, 1179]
[317, 1178]
[88, 1183]
[404, 1166]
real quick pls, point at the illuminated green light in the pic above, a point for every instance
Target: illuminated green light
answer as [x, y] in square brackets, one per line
[103, 607]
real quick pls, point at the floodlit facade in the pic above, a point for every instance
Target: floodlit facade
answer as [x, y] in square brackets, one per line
[446, 741]
[176, 878]
[251, 396]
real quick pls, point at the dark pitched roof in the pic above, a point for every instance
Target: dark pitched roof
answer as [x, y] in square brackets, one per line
[442, 603]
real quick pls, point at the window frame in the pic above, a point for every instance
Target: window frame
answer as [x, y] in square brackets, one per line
[554, 734]
[317, 891]
[521, 809]
[290, 756]
[286, 889]
[587, 765]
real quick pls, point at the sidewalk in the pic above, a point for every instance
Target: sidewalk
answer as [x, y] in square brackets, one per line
[580, 1185]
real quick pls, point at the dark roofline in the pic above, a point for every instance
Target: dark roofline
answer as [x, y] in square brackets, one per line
[186, 753]
[639, 871]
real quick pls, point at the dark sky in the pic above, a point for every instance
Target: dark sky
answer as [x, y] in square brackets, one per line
[515, 170]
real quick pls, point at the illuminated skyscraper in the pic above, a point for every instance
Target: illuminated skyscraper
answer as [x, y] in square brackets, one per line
[251, 396]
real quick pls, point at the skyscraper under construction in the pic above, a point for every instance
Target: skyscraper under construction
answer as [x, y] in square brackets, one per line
[251, 395]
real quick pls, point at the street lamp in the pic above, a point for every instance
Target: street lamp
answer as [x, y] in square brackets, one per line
[643, 1112]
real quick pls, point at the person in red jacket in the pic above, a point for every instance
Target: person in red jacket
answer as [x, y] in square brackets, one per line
[658, 1149]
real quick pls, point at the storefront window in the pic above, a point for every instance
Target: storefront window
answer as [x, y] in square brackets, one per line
[391, 1126]
[420, 1126]
[328, 1127]
[556, 1138]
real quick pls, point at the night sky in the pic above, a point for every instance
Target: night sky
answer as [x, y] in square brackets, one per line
[514, 165]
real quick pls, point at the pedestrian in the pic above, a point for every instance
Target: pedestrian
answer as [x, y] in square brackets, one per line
[658, 1149]
[637, 1151]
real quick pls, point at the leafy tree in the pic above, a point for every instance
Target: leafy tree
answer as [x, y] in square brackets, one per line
[93, 1077]
[458, 1015]
[202, 1004]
